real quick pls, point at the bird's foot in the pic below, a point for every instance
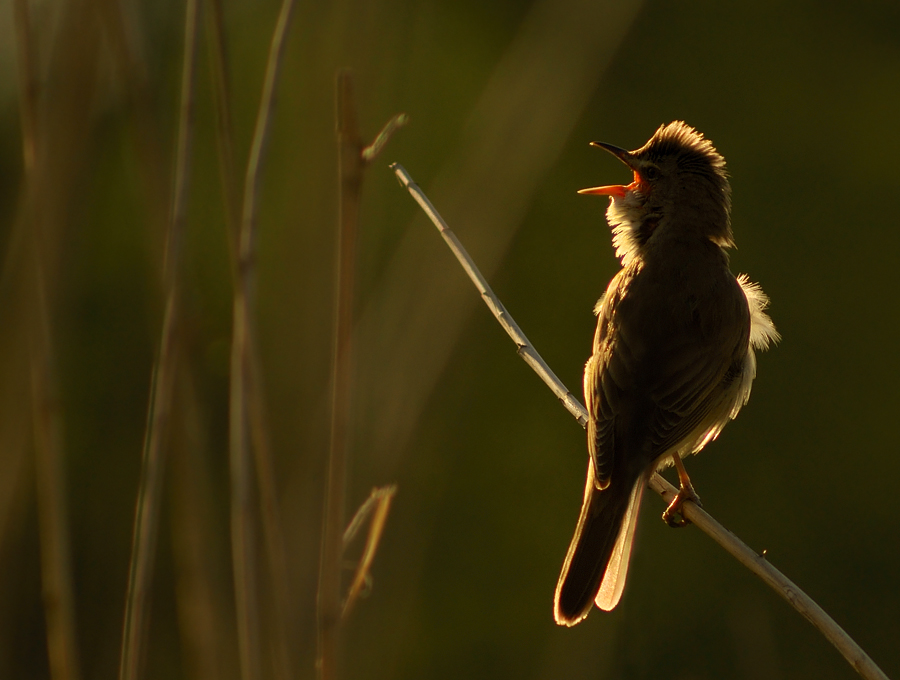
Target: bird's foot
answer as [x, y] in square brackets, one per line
[673, 515]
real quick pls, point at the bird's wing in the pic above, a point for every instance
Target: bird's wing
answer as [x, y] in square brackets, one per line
[667, 387]
[602, 392]
[689, 393]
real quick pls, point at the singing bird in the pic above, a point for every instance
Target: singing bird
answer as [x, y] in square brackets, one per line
[673, 356]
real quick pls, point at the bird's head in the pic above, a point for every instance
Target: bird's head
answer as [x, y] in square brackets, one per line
[680, 182]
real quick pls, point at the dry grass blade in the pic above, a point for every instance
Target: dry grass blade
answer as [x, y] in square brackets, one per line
[28, 95]
[56, 576]
[55, 553]
[378, 504]
[243, 536]
[774, 578]
[261, 131]
[252, 375]
[219, 74]
[200, 591]
[350, 171]
[146, 525]
[244, 390]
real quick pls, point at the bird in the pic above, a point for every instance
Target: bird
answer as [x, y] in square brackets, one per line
[673, 355]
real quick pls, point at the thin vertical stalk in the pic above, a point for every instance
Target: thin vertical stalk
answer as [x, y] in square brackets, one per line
[123, 40]
[243, 535]
[353, 157]
[56, 577]
[25, 58]
[350, 172]
[260, 143]
[258, 433]
[147, 514]
[243, 538]
[199, 591]
[270, 514]
[218, 62]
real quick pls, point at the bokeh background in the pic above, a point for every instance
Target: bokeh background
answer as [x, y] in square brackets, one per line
[803, 100]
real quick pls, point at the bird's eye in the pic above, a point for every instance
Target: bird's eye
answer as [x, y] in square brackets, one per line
[650, 173]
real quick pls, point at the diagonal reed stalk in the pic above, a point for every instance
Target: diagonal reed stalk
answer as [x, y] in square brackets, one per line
[245, 405]
[756, 563]
[147, 515]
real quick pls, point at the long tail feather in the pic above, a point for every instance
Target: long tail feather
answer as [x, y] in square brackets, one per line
[597, 562]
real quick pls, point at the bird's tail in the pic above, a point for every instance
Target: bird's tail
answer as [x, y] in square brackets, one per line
[597, 562]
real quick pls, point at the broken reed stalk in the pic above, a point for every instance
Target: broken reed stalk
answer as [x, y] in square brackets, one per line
[243, 393]
[378, 505]
[146, 523]
[353, 157]
[756, 563]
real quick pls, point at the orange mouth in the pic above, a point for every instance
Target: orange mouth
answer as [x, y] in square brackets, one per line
[617, 190]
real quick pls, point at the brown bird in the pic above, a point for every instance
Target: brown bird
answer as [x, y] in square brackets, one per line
[673, 358]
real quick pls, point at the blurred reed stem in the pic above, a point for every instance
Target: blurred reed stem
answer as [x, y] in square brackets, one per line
[245, 402]
[49, 454]
[131, 70]
[350, 171]
[28, 86]
[147, 515]
[221, 89]
[50, 480]
[201, 622]
[200, 592]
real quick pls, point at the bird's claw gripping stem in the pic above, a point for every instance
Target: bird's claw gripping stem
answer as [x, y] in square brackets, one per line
[673, 515]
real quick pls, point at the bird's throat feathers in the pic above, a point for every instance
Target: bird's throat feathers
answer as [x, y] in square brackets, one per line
[629, 231]
[634, 225]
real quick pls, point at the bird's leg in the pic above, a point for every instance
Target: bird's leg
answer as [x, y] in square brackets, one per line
[673, 515]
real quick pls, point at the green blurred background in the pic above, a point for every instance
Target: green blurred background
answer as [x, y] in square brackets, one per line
[803, 100]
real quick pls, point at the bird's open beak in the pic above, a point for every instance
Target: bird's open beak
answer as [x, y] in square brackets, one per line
[618, 190]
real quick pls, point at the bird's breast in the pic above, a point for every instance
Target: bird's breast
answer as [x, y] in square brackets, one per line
[689, 296]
